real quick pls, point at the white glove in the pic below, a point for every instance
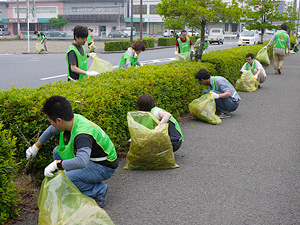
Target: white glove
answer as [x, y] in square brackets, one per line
[50, 168]
[175, 52]
[215, 95]
[92, 73]
[92, 54]
[31, 152]
[266, 47]
[193, 51]
[255, 76]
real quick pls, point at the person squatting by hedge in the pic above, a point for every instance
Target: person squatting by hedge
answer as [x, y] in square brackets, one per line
[146, 103]
[88, 157]
[255, 67]
[282, 40]
[131, 56]
[42, 38]
[77, 57]
[294, 47]
[226, 97]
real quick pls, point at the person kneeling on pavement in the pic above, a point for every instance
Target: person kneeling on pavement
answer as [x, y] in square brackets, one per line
[226, 97]
[255, 67]
[95, 159]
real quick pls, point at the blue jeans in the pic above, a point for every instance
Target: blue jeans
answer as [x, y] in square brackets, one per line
[225, 105]
[89, 179]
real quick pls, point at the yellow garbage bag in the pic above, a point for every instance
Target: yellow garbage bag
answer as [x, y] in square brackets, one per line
[247, 82]
[150, 147]
[204, 108]
[101, 66]
[92, 47]
[39, 47]
[61, 203]
[263, 57]
[183, 56]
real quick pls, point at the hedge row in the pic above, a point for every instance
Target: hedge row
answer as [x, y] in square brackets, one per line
[124, 45]
[8, 166]
[166, 41]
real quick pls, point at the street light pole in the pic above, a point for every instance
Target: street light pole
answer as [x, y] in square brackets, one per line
[141, 20]
[27, 17]
[131, 23]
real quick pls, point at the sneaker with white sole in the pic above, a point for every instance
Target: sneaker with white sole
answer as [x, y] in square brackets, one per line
[102, 200]
[224, 115]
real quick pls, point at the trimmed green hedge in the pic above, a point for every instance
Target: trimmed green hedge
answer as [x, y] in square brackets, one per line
[166, 41]
[229, 61]
[8, 167]
[124, 45]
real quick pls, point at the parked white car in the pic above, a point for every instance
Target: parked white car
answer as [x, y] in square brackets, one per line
[216, 35]
[127, 31]
[248, 37]
[192, 33]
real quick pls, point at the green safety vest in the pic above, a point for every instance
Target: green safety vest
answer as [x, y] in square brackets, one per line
[281, 39]
[172, 119]
[82, 125]
[214, 85]
[127, 56]
[253, 67]
[82, 61]
[184, 47]
[40, 37]
[89, 39]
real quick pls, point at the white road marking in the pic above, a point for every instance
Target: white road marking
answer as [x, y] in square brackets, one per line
[48, 78]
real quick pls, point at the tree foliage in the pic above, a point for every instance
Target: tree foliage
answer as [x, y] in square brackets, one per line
[58, 22]
[198, 13]
[290, 16]
[263, 13]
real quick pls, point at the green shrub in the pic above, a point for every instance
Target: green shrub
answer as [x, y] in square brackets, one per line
[124, 45]
[294, 39]
[107, 99]
[8, 166]
[166, 41]
[228, 62]
[192, 38]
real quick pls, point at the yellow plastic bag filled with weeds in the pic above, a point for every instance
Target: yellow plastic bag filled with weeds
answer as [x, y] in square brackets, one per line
[150, 147]
[183, 56]
[92, 47]
[101, 66]
[204, 108]
[247, 82]
[61, 203]
[263, 57]
[39, 47]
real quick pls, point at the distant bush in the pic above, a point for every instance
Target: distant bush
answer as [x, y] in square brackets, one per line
[124, 45]
[166, 41]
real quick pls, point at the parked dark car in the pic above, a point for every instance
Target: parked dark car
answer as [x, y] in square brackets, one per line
[55, 33]
[117, 33]
[4, 32]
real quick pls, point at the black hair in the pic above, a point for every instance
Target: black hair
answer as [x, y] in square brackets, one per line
[58, 107]
[35, 32]
[202, 74]
[145, 103]
[80, 31]
[183, 31]
[283, 26]
[250, 55]
[292, 44]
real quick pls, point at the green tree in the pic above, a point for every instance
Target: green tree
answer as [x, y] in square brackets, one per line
[199, 13]
[58, 22]
[174, 23]
[290, 16]
[262, 13]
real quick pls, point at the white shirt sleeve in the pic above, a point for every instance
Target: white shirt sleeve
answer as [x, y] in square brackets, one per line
[244, 68]
[155, 113]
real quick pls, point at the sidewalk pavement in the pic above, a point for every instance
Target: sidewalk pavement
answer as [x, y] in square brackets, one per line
[243, 171]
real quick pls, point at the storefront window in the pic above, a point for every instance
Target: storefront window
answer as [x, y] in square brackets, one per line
[136, 9]
[152, 9]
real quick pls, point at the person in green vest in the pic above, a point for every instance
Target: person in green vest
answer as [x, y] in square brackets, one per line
[84, 149]
[42, 38]
[255, 67]
[146, 103]
[184, 45]
[90, 38]
[226, 97]
[76, 56]
[131, 56]
[282, 40]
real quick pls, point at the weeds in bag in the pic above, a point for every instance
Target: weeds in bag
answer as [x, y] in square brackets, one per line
[247, 82]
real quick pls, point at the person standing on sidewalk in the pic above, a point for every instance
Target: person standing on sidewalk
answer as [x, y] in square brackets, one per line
[282, 40]
[255, 67]
[226, 97]
[77, 57]
[42, 38]
[90, 39]
[184, 45]
[88, 157]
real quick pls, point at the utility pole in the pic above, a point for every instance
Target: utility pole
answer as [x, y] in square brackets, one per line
[131, 23]
[27, 18]
[141, 20]
[18, 20]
